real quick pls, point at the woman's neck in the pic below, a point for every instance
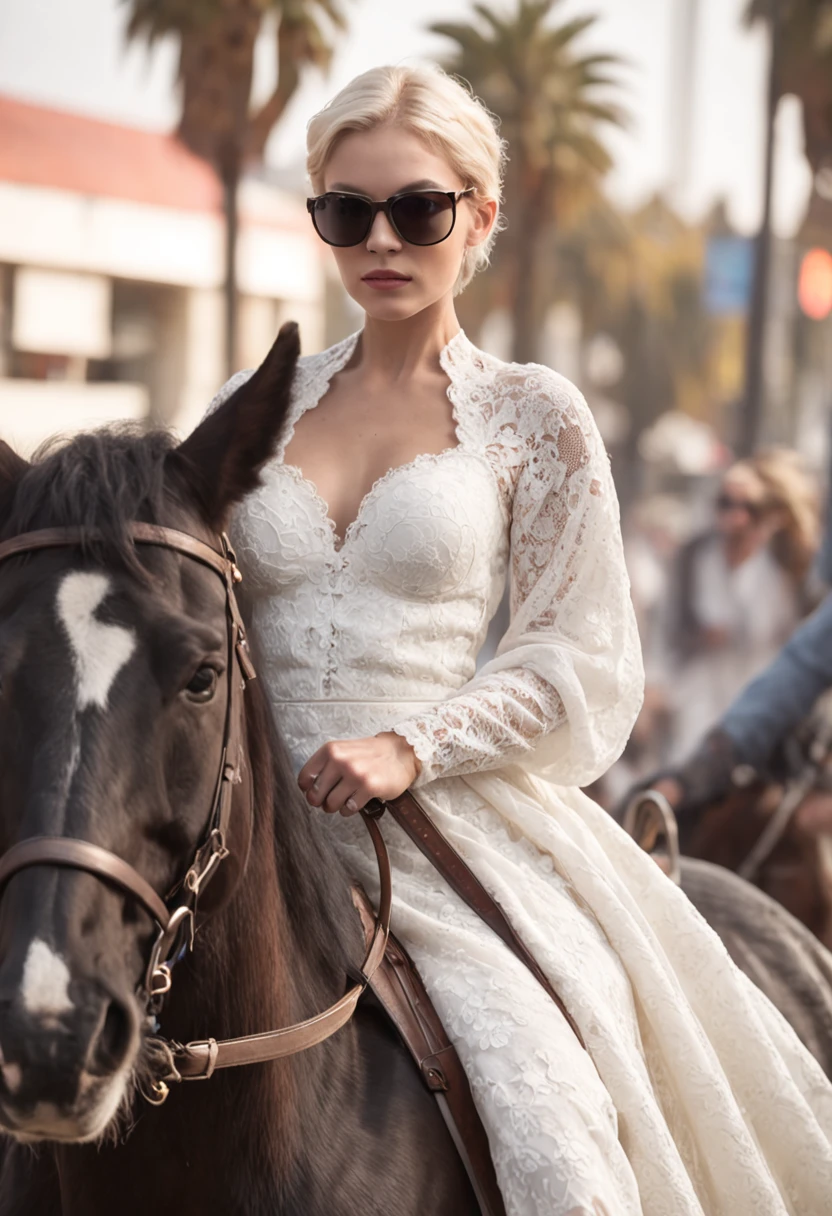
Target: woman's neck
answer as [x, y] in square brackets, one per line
[391, 351]
[738, 549]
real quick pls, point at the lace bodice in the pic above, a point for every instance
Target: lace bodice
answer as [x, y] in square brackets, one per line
[395, 615]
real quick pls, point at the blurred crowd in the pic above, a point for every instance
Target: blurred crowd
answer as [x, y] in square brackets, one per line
[721, 577]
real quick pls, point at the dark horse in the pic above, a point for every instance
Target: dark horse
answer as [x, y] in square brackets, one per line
[112, 709]
[770, 945]
[795, 869]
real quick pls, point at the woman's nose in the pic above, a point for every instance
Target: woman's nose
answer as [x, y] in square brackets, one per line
[383, 237]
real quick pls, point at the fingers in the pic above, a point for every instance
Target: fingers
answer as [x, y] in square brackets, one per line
[343, 798]
[345, 774]
[312, 769]
[329, 783]
[322, 783]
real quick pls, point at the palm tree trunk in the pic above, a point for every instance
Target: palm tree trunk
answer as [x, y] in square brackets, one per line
[524, 339]
[526, 285]
[230, 188]
[752, 408]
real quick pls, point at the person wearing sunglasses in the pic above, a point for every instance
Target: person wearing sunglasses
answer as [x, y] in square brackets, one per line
[738, 592]
[416, 472]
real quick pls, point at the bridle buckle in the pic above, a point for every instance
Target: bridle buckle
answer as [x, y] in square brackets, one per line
[196, 877]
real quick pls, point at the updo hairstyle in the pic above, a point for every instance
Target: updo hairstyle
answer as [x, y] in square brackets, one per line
[438, 109]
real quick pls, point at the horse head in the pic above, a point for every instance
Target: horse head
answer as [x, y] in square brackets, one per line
[114, 683]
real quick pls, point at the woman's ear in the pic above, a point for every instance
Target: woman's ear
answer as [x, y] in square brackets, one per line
[484, 216]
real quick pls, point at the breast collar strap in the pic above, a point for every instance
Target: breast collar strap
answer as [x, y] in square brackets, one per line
[199, 1059]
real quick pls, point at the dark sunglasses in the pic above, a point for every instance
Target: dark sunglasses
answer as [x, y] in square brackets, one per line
[419, 217]
[726, 503]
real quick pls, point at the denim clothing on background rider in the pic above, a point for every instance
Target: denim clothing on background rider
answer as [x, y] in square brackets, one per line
[778, 699]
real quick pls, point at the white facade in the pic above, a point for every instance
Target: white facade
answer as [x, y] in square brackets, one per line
[113, 309]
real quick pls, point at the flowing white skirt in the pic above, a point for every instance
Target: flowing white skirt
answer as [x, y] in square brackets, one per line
[694, 1095]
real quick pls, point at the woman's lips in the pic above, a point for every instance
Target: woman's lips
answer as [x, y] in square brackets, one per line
[385, 282]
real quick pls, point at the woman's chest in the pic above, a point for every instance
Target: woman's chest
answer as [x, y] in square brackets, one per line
[432, 528]
[354, 436]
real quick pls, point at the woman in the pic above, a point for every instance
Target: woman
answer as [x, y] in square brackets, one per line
[740, 590]
[413, 469]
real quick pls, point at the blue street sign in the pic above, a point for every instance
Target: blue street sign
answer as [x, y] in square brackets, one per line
[729, 274]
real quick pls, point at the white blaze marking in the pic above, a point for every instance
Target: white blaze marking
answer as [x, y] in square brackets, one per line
[12, 1075]
[45, 985]
[99, 651]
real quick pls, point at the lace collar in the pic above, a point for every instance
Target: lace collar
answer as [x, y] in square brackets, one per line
[461, 361]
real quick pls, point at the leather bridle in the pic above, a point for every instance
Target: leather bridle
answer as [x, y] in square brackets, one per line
[175, 914]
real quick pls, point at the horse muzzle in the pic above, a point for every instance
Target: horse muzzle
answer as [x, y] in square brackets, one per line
[68, 1047]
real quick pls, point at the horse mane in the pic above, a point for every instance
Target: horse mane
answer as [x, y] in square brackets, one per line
[99, 481]
[313, 883]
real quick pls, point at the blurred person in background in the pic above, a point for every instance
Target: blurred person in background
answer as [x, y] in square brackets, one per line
[739, 591]
[747, 738]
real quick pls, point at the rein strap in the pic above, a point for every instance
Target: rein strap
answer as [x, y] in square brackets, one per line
[198, 1060]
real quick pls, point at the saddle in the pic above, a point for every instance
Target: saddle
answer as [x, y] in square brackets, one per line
[400, 992]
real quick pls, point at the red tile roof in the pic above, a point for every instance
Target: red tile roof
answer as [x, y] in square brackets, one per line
[45, 147]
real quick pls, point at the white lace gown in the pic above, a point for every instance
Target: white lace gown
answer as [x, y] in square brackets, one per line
[694, 1096]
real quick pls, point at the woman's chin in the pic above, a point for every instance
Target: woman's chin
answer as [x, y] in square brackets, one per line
[391, 305]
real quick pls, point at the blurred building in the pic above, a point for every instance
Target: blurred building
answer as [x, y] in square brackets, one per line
[111, 267]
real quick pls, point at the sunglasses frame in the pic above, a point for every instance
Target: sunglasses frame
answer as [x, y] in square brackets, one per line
[386, 206]
[726, 503]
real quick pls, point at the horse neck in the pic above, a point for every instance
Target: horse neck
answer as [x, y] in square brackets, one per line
[275, 955]
[260, 968]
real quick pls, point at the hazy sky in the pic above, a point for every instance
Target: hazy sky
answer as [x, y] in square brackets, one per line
[70, 53]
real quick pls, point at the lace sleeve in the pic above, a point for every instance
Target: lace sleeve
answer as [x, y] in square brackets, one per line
[563, 691]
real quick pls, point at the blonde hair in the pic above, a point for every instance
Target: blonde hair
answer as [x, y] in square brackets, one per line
[789, 490]
[441, 111]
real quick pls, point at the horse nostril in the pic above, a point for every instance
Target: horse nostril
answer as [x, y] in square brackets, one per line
[113, 1041]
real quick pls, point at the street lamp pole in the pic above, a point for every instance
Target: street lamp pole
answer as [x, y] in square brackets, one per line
[752, 406]
[683, 96]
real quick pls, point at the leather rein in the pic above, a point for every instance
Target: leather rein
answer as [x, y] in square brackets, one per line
[174, 917]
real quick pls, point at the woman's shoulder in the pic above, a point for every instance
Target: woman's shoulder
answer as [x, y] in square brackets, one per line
[311, 371]
[537, 395]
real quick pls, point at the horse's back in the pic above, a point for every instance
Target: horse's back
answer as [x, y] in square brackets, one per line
[771, 947]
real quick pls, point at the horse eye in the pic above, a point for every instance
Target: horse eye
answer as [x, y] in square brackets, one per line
[203, 684]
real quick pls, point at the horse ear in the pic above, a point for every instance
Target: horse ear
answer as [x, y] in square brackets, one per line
[220, 461]
[12, 468]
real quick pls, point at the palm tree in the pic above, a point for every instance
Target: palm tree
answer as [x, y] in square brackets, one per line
[216, 65]
[805, 65]
[800, 35]
[551, 101]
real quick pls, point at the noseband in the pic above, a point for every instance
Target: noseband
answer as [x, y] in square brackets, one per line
[175, 918]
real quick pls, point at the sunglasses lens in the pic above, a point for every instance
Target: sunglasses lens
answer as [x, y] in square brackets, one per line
[726, 503]
[341, 219]
[424, 218]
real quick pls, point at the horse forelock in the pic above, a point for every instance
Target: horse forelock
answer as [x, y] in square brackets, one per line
[100, 481]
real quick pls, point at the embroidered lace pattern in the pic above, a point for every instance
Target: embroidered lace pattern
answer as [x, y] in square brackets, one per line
[694, 1097]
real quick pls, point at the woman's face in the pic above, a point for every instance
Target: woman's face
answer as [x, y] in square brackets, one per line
[741, 506]
[386, 161]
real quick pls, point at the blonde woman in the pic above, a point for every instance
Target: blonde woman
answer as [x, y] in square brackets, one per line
[413, 471]
[740, 590]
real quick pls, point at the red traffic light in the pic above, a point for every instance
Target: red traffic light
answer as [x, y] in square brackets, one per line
[814, 290]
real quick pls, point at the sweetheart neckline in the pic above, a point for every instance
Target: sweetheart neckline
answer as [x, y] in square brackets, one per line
[339, 543]
[345, 351]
